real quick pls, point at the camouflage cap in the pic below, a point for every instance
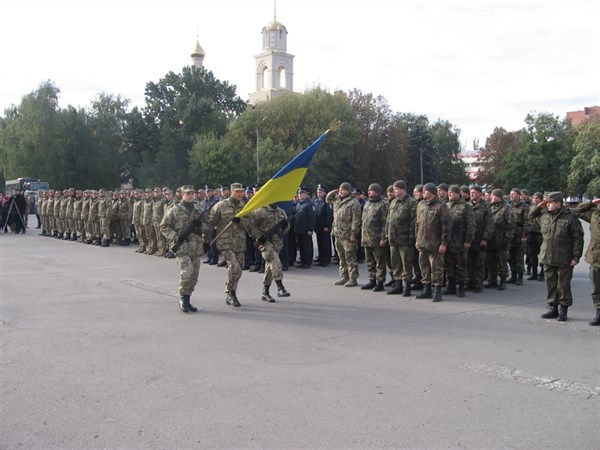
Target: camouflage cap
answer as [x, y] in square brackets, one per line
[237, 187]
[148, 190]
[431, 188]
[555, 196]
[498, 193]
[454, 188]
[188, 188]
[157, 189]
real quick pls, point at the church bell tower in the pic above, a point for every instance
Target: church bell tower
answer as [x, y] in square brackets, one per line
[274, 66]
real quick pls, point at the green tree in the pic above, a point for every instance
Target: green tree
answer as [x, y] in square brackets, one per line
[584, 177]
[449, 167]
[493, 156]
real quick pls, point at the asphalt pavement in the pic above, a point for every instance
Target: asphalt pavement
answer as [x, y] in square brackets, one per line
[94, 353]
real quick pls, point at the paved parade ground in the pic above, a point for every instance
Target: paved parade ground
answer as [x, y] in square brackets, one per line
[96, 354]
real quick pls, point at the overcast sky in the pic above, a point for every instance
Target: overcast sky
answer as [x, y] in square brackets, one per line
[478, 64]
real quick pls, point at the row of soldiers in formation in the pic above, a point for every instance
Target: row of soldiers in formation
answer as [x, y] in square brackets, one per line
[483, 235]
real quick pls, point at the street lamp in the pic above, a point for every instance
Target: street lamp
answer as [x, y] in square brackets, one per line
[257, 160]
[421, 157]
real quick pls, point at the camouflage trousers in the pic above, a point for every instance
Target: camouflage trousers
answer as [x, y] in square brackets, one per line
[497, 263]
[376, 258]
[476, 265]
[161, 241]
[432, 268]
[558, 285]
[125, 229]
[595, 277]
[150, 236]
[140, 232]
[273, 267]
[188, 276]
[455, 263]
[235, 262]
[402, 258]
[105, 228]
[534, 243]
[516, 258]
[348, 259]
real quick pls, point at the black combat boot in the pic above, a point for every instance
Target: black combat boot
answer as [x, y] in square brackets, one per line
[519, 281]
[437, 294]
[491, 283]
[281, 292]
[390, 283]
[502, 284]
[534, 274]
[529, 270]
[74, 236]
[369, 285]
[406, 292]
[232, 299]
[191, 307]
[513, 278]
[461, 290]
[184, 303]
[266, 297]
[562, 313]
[596, 321]
[43, 233]
[541, 275]
[450, 287]
[378, 286]
[67, 236]
[396, 289]
[416, 285]
[552, 312]
[105, 243]
[426, 292]
[125, 242]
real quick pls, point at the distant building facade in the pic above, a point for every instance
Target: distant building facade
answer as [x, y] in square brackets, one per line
[472, 164]
[578, 117]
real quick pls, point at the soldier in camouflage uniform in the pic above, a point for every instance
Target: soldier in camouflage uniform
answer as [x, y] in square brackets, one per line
[124, 218]
[169, 203]
[462, 228]
[149, 233]
[84, 216]
[504, 228]
[232, 243]
[136, 220]
[432, 231]
[104, 207]
[416, 281]
[346, 230]
[62, 215]
[517, 244]
[561, 249]
[400, 236]
[269, 226]
[534, 240]
[93, 220]
[373, 238]
[77, 224]
[190, 249]
[158, 212]
[484, 227]
[589, 212]
[42, 208]
[52, 230]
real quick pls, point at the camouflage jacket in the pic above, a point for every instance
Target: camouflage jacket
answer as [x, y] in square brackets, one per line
[147, 211]
[56, 206]
[563, 236]
[220, 216]
[432, 227]
[49, 206]
[175, 222]
[104, 206]
[93, 217]
[138, 209]
[400, 224]
[374, 218]
[85, 208]
[484, 225]
[123, 209]
[462, 224]
[77, 205]
[158, 210]
[346, 216]
[70, 207]
[265, 219]
[504, 225]
[64, 204]
[590, 213]
[522, 222]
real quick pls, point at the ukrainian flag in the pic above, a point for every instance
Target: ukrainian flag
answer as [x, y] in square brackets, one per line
[285, 183]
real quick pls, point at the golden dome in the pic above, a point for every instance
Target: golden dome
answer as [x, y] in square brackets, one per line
[198, 50]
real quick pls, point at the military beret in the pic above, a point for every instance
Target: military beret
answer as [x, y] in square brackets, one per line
[375, 187]
[236, 187]
[321, 187]
[454, 188]
[517, 190]
[498, 192]
[555, 196]
[430, 187]
[477, 188]
[524, 191]
[443, 187]
[346, 186]
[187, 188]
[465, 189]
[400, 184]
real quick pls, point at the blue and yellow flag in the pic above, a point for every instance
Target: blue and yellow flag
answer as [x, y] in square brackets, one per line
[285, 183]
